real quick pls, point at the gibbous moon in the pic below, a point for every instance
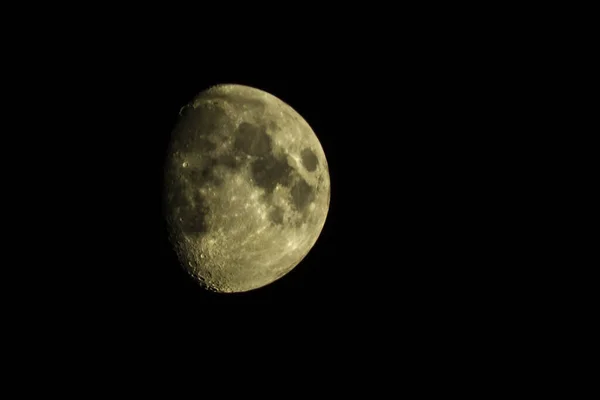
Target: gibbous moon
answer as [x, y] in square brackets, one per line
[246, 188]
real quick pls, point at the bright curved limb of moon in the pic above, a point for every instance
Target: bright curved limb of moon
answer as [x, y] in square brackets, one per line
[246, 188]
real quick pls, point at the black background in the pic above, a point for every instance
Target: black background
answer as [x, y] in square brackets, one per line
[405, 259]
[422, 276]
[395, 244]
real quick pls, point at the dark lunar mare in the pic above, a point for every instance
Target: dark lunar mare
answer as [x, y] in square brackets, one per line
[252, 140]
[302, 194]
[269, 170]
[309, 160]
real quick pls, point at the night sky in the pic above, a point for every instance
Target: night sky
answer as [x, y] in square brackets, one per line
[406, 250]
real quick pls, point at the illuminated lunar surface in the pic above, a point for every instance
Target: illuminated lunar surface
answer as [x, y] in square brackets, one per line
[246, 188]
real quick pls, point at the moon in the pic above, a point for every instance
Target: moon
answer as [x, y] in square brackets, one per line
[246, 190]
